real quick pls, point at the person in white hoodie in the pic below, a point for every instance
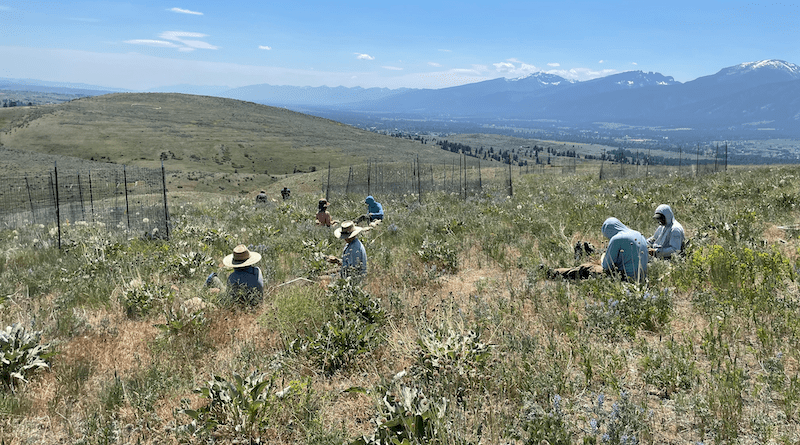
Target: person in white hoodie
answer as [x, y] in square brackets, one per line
[669, 237]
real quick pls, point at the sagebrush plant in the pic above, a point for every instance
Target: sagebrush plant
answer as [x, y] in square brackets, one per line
[141, 299]
[249, 408]
[353, 329]
[21, 354]
[408, 416]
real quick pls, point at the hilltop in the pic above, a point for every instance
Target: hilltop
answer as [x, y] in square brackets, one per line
[197, 134]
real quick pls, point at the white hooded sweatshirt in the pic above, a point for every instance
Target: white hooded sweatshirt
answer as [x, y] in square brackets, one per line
[668, 238]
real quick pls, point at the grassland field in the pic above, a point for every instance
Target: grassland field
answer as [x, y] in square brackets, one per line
[456, 336]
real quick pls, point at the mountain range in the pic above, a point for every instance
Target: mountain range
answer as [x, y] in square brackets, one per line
[752, 95]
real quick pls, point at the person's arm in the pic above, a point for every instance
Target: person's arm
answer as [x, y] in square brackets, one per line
[363, 260]
[611, 259]
[675, 240]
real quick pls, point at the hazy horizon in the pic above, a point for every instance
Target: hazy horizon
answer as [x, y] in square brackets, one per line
[144, 45]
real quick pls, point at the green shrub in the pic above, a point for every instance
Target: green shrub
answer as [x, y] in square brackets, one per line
[409, 417]
[669, 369]
[250, 409]
[439, 256]
[547, 426]
[629, 309]
[21, 354]
[236, 408]
[141, 300]
[338, 343]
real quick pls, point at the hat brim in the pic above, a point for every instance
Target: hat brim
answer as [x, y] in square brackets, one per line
[228, 261]
[347, 235]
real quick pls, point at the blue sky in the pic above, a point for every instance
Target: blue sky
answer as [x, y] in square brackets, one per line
[143, 44]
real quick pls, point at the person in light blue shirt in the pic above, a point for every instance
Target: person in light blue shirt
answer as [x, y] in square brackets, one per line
[627, 250]
[626, 256]
[374, 209]
[354, 257]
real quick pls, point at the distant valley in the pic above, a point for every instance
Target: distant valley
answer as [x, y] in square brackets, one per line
[753, 101]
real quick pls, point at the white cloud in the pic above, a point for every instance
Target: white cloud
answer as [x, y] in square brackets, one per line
[265, 47]
[504, 67]
[360, 56]
[179, 35]
[634, 63]
[393, 68]
[601, 61]
[157, 43]
[198, 44]
[184, 11]
[445, 50]
[184, 44]
[434, 64]
[476, 70]
[515, 68]
[554, 64]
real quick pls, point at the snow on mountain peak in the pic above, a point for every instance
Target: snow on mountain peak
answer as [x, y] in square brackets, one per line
[762, 64]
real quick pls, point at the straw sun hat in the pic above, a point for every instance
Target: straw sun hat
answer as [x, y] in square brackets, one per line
[347, 230]
[241, 257]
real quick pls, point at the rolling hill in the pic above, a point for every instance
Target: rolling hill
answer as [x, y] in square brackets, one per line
[198, 134]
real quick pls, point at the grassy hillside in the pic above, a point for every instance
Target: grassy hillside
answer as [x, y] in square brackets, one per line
[226, 140]
[456, 333]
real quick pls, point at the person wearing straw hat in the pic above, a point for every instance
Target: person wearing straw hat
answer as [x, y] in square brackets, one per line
[354, 257]
[323, 217]
[245, 283]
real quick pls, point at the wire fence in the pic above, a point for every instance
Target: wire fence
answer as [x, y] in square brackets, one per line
[621, 170]
[121, 199]
[469, 177]
[464, 177]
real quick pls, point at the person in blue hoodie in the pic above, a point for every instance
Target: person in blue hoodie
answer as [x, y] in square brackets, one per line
[374, 210]
[626, 255]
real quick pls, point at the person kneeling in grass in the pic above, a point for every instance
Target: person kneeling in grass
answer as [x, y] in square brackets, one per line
[354, 257]
[669, 237]
[626, 255]
[245, 283]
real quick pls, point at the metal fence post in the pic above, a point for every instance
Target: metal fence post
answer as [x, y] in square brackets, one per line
[80, 197]
[164, 188]
[91, 195]
[58, 210]
[30, 200]
[328, 187]
[127, 208]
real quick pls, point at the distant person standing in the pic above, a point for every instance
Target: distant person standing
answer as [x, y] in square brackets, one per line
[285, 193]
[261, 197]
[323, 217]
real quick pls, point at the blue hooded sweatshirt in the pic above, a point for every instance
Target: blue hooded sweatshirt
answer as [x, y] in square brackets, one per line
[627, 250]
[375, 209]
